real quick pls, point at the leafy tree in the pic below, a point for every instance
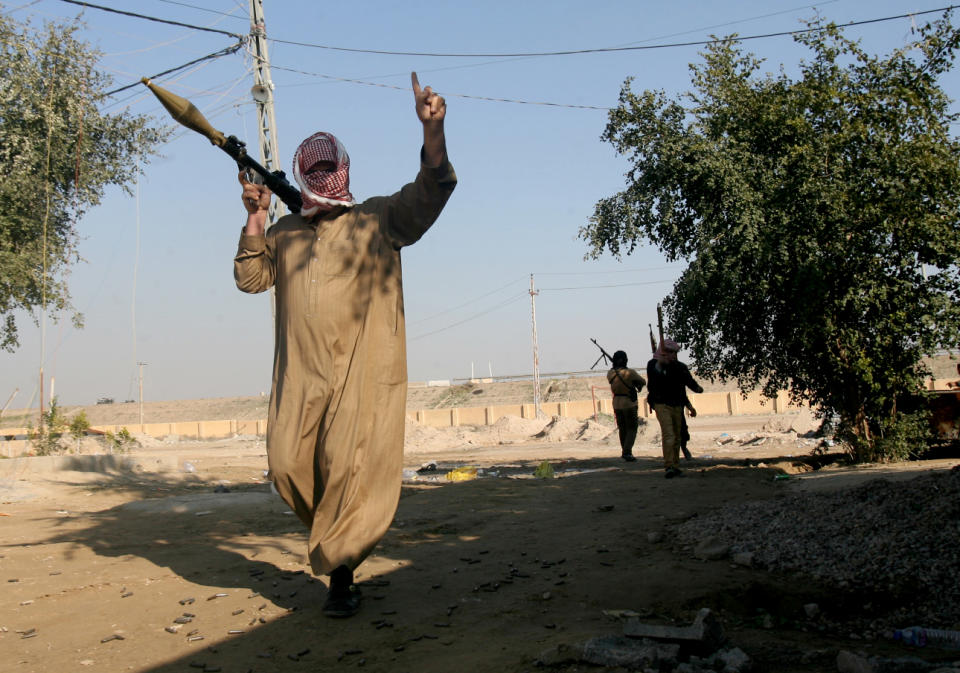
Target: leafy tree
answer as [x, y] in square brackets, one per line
[59, 152]
[47, 438]
[819, 218]
[79, 425]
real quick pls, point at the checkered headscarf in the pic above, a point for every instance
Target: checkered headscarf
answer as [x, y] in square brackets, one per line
[322, 190]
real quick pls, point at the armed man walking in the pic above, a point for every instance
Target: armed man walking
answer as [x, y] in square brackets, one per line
[336, 416]
[668, 379]
[625, 384]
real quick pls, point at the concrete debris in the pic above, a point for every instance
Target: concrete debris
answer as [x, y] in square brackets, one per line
[704, 635]
[711, 549]
[613, 651]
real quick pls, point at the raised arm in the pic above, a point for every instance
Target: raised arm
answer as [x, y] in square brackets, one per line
[431, 110]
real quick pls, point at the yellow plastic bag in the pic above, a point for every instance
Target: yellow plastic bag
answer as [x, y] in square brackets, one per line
[465, 473]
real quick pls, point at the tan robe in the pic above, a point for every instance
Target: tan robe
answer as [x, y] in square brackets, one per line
[337, 406]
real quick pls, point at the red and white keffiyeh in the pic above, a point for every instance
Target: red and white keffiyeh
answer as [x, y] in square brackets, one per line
[667, 351]
[322, 190]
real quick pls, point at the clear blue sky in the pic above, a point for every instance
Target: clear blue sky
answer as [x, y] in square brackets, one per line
[157, 282]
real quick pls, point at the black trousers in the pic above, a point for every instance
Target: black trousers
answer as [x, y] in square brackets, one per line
[627, 424]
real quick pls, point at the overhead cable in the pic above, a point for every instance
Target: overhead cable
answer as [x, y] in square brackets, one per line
[208, 57]
[444, 93]
[595, 287]
[151, 18]
[204, 9]
[598, 50]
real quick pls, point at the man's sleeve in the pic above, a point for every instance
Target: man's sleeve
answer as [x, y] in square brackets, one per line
[411, 211]
[253, 267]
[692, 384]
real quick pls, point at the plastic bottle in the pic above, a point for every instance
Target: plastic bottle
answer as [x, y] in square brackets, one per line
[921, 637]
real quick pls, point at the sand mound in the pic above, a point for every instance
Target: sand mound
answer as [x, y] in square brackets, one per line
[591, 431]
[510, 427]
[560, 429]
[801, 422]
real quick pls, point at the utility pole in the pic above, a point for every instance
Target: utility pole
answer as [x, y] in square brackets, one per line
[263, 95]
[140, 365]
[536, 350]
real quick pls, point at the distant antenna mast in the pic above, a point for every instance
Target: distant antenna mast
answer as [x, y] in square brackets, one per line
[262, 92]
[536, 350]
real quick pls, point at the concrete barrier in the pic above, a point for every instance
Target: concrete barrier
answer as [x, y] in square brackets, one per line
[15, 467]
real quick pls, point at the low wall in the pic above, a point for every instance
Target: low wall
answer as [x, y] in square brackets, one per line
[14, 442]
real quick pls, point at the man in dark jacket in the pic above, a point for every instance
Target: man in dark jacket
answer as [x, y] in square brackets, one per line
[668, 379]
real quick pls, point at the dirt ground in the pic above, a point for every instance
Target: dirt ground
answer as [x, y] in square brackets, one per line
[479, 575]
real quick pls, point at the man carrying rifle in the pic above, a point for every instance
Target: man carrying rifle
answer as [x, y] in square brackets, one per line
[625, 384]
[669, 378]
[336, 416]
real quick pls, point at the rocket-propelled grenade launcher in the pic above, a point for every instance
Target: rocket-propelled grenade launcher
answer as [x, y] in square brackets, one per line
[187, 114]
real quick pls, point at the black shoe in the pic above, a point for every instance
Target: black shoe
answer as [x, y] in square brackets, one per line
[341, 604]
[673, 472]
[629, 457]
[343, 598]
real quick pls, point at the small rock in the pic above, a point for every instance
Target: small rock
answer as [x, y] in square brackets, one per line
[744, 558]
[654, 538]
[811, 609]
[711, 549]
[848, 662]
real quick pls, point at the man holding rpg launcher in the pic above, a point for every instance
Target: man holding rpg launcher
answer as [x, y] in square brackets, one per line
[336, 415]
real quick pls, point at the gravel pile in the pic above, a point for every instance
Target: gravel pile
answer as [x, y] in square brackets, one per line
[899, 540]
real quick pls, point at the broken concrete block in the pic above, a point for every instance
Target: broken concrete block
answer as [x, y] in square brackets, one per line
[705, 634]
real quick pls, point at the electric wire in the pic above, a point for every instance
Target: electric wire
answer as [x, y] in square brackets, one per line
[204, 9]
[209, 57]
[467, 303]
[506, 302]
[596, 287]
[447, 94]
[152, 18]
[599, 50]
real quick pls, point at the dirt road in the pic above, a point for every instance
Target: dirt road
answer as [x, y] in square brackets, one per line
[200, 567]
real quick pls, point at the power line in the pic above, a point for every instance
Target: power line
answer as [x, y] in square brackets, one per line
[204, 9]
[447, 94]
[151, 18]
[596, 287]
[600, 50]
[473, 317]
[467, 303]
[208, 57]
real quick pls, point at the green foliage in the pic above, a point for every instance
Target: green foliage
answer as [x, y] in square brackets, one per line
[47, 439]
[79, 425]
[59, 152]
[121, 441]
[808, 210]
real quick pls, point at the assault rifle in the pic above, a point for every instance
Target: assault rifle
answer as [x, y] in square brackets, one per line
[187, 114]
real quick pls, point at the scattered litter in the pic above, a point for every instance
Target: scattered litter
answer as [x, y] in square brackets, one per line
[465, 473]
[204, 512]
[115, 636]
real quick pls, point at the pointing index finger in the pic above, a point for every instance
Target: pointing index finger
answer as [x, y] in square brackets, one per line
[416, 83]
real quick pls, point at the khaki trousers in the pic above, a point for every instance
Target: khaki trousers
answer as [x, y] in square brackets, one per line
[670, 419]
